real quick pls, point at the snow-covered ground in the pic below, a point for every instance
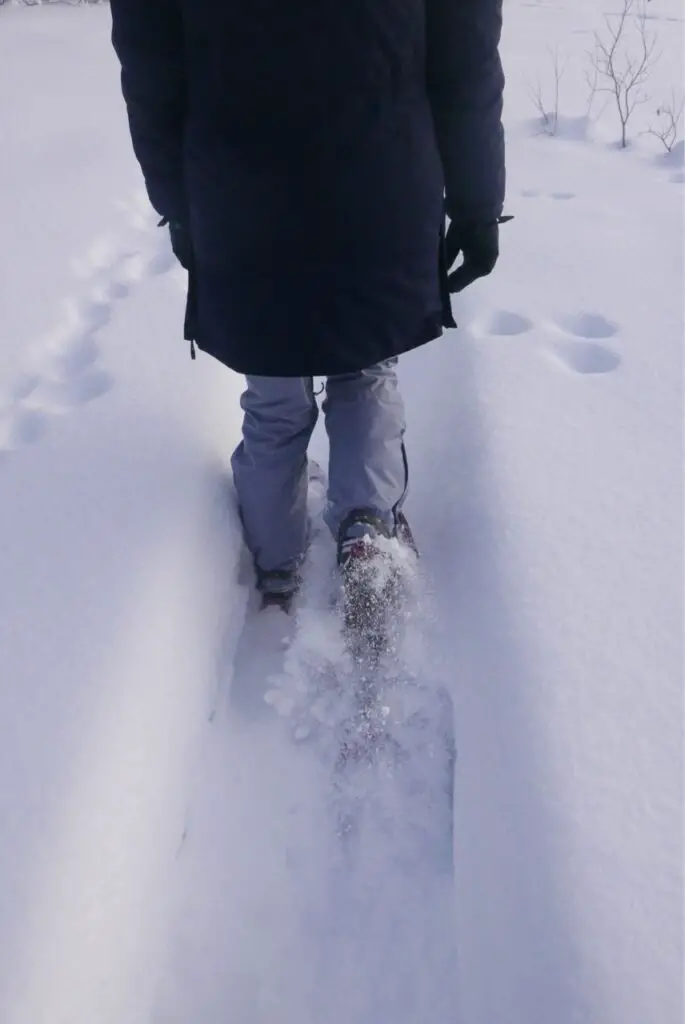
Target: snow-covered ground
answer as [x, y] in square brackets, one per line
[151, 813]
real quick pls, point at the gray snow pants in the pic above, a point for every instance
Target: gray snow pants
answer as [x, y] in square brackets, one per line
[364, 416]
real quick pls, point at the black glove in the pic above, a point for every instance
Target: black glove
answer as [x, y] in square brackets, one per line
[181, 243]
[479, 245]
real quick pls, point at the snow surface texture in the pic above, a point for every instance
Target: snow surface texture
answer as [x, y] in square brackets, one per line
[161, 851]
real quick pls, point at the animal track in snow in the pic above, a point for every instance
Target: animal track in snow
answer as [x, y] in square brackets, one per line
[64, 371]
[587, 325]
[502, 323]
[585, 357]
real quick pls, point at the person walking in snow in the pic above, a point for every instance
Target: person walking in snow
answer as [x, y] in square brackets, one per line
[304, 154]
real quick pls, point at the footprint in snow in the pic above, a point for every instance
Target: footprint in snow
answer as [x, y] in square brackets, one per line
[503, 323]
[59, 394]
[90, 315]
[162, 261]
[587, 325]
[70, 376]
[585, 357]
[19, 427]
[582, 352]
[531, 193]
[23, 386]
[65, 371]
[73, 356]
[99, 256]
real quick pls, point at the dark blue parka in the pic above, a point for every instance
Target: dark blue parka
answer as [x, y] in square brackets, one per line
[308, 145]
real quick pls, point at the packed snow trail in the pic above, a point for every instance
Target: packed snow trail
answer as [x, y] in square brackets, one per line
[361, 848]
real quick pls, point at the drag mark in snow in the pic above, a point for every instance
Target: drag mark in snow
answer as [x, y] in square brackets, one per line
[65, 370]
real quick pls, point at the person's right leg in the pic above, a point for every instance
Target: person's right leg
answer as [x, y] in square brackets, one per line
[270, 469]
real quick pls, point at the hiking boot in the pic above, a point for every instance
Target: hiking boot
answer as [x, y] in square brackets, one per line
[358, 537]
[277, 587]
[365, 535]
[371, 573]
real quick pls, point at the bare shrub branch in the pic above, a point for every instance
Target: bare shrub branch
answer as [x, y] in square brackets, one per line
[670, 115]
[623, 63]
[549, 113]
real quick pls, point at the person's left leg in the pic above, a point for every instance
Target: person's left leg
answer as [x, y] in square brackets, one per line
[270, 470]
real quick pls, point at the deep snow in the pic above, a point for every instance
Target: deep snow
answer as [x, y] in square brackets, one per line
[150, 828]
